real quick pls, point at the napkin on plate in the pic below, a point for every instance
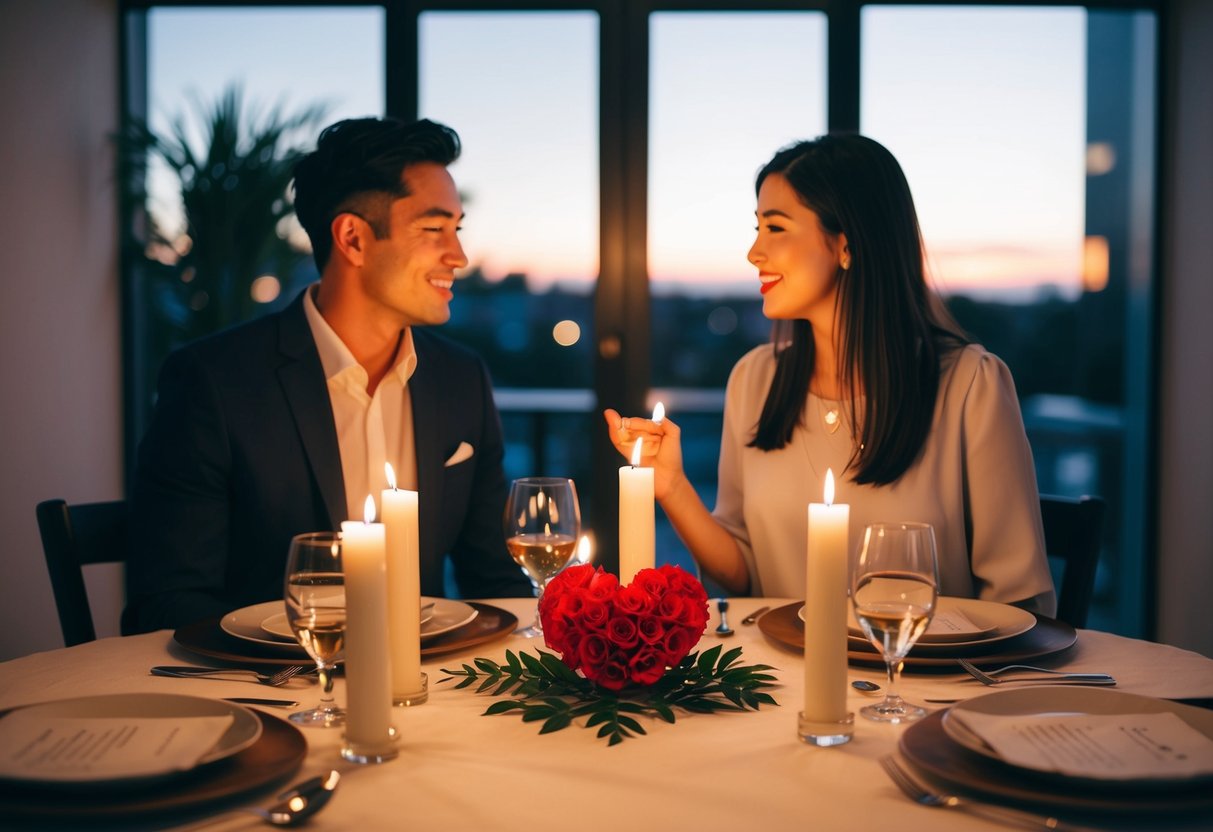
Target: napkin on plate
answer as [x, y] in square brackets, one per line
[41, 747]
[1140, 746]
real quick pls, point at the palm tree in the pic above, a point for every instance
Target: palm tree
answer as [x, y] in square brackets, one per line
[234, 191]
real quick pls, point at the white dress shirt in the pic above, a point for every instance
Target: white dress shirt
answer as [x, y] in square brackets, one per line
[371, 429]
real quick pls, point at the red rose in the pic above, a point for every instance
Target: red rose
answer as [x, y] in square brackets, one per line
[675, 645]
[650, 629]
[574, 577]
[614, 674]
[651, 581]
[621, 630]
[671, 608]
[594, 614]
[603, 585]
[594, 649]
[646, 666]
[634, 599]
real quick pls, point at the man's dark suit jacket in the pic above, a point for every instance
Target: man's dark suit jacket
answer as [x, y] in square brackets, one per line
[242, 454]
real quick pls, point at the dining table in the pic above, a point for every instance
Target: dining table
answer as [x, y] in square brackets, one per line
[459, 769]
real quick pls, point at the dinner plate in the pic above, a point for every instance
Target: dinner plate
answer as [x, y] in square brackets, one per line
[929, 750]
[273, 758]
[1043, 702]
[208, 639]
[962, 622]
[246, 623]
[278, 626]
[1047, 637]
[244, 730]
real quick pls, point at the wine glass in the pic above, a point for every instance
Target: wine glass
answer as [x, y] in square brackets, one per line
[315, 608]
[894, 584]
[542, 521]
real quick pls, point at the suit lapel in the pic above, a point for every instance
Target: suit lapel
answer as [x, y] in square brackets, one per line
[302, 379]
[425, 397]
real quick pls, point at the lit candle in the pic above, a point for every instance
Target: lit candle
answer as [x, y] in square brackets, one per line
[825, 720]
[367, 662]
[585, 550]
[637, 530]
[404, 591]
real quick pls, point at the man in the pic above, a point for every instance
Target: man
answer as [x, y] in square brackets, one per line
[282, 425]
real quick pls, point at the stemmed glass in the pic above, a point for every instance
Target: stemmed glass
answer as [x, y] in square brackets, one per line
[315, 608]
[542, 521]
[894, 584]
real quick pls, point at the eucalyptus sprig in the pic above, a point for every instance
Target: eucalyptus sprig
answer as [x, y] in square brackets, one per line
[545, 688]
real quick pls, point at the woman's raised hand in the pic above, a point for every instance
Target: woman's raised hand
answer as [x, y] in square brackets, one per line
[660, 448]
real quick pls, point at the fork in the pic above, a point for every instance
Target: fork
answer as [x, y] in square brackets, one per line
[272, 679]
[920, 794]
[1055, 676]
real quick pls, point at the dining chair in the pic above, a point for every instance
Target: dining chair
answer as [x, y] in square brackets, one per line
[1073, 530]
[73, 536]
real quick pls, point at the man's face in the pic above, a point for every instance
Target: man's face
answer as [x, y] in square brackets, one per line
[410, 272]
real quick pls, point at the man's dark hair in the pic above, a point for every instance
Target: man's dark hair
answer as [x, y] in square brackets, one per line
[357, 167]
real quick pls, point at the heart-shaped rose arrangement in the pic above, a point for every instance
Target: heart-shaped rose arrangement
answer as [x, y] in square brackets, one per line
[616, 635]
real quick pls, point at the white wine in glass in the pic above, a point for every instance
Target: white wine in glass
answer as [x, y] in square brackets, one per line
[542, 522]
[315, 608]
[894, 585]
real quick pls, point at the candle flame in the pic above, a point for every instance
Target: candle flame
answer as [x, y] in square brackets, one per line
[391, 475]
[368, 511]
[636, 453]
[584, 551]
[659, 413]
[829, 489]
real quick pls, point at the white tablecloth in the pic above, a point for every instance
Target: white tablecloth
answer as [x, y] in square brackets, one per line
[458, 770]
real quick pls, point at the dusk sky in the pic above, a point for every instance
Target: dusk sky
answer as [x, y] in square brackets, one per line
[984, 108]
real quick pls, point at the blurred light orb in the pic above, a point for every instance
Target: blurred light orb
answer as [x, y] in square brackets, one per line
[722, 320]
[566, 333]
[265, 289]
[1101, 158]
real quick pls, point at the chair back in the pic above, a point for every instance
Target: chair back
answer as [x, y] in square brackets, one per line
[1073, 530]
[73, 536]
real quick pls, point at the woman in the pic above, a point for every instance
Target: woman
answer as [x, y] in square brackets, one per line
[868, 376]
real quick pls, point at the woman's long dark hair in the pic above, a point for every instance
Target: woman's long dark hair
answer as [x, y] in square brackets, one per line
[894, 332]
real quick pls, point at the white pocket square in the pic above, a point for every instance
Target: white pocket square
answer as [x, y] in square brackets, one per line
[464, 451]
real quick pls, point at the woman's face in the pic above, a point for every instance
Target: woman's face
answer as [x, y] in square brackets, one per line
[797, 259]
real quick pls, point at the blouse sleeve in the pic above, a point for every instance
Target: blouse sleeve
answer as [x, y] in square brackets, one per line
[1006, 539]
[730, 480]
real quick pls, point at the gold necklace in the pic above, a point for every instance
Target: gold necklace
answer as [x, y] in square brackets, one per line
[831, 418]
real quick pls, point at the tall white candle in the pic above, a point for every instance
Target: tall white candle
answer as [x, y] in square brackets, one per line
[404, 590]
[637, 527]
[825, 610]
[367, 663]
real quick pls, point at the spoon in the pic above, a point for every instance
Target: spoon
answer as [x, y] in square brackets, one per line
[865, 686]
[296, 804]
[723, 629]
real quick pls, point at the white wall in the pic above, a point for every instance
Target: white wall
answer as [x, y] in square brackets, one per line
[60, 362]
[1185, 518]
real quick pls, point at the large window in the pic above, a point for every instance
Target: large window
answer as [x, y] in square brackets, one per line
[610, 150]
[1020, 166]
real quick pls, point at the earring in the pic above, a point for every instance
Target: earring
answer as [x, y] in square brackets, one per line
[845, 261]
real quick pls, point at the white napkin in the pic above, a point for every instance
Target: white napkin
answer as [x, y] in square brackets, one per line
[1105, 746]
[78, 749]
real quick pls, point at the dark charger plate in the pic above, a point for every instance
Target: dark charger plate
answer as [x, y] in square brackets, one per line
[929, 749]
[275, 756]
[1047, 636]
[207, 638]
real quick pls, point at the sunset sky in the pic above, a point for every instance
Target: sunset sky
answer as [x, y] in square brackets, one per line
[984, 108]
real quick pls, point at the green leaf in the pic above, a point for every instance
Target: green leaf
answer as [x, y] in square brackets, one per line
[465, 683]
[708, 658]
[511, 659]
[533, 664]
[503, 707]
[556, 723]
[664, 711]
[728, 658]
[628, 722]
[537, 712]
[486, 665]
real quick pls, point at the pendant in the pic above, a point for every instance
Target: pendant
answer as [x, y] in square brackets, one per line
[832, 421]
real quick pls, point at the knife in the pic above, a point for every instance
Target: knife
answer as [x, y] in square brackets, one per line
[752, 617]
[271, 703]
